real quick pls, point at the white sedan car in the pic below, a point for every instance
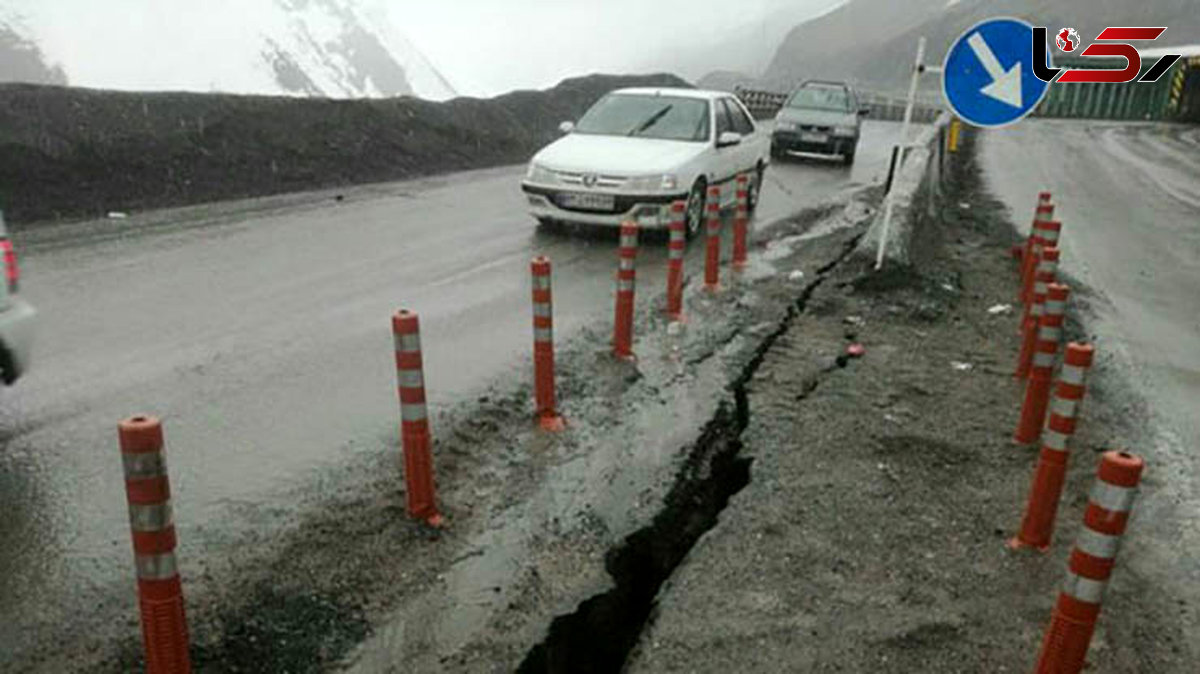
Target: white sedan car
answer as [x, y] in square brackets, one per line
[637, 150]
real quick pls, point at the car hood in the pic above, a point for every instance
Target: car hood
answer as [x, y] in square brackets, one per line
[816, 117]
[617, 155]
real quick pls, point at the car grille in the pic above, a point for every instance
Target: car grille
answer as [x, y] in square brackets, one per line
[602, 181]
[814, 128]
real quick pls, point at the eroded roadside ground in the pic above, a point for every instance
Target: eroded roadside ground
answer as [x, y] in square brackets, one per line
[806, 511]
[871, 534]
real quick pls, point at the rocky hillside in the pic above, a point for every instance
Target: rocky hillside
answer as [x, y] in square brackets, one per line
[79, 153]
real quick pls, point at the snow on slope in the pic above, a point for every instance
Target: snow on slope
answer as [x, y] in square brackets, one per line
[335, 48]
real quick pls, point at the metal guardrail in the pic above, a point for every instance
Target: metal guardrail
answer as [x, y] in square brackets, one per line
[765, 104]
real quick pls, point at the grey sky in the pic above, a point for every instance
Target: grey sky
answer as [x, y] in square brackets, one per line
[483, 46]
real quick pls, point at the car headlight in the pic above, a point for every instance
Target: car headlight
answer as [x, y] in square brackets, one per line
[540, 174]
[844, 131]
[662, 182]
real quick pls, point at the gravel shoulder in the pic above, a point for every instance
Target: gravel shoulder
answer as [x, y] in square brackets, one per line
[871, 534]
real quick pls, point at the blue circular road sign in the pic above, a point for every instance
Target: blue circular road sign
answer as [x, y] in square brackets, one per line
[987, 76]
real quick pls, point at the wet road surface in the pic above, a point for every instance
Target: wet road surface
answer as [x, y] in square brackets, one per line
[259, 332]
[1129, 199]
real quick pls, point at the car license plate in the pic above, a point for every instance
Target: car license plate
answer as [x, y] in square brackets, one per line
[809, 137]
[591, 202]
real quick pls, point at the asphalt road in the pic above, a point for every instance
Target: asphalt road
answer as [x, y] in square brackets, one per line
[1129, 199]
[259, 332]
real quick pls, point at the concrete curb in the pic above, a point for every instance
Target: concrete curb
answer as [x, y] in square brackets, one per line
[915, 195]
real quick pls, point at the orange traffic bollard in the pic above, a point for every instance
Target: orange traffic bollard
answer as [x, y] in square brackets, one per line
[160, 591]
[675, 249]
[712, 248]
[414, 420]
[1046, 235]
[626, 276]
[1037, 526]
[1037, 391]
[741, 221]
[1046, 263]
[1069, 634]
[1039, 212]
[543, 346]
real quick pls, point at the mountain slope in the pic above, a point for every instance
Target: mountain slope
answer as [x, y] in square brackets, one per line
[22, 61]
[885, 33]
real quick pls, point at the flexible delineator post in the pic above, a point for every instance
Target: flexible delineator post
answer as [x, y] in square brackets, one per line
[626, 277]
[543, 346]
[1037, 526]
[414, 419]
[676, 247]
[152, 524]
[1065, 645]
[1037, 391]
[712, 244]
[741, 221]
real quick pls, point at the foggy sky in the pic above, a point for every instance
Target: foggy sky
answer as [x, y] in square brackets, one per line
[484, 47]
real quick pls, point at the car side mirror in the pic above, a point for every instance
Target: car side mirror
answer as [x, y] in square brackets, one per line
[729, 138]
[566, 127]
[865, 112]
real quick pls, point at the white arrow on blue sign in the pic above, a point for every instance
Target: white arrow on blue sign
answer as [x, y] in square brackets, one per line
[987, 76]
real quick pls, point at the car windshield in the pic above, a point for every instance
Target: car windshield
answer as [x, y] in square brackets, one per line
[647, 116]
[820, 98]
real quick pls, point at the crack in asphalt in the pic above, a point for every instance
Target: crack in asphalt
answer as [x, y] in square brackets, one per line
[604, 629]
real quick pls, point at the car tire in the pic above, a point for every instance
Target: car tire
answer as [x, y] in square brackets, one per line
[777, 153]
[694, 213]
[848, 157]
[549, 225]
[755, 188]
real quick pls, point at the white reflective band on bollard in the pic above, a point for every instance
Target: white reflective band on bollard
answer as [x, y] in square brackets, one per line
[1071, 374]
[1049, 334]
[1084, 589]
[1041, 359]
[1113, 498]
[542, 310]
[408, 343]
[156, 567]
[144, 465]
[1096, 544]
[541, 282]
[1052, 439]
[1056, 307]
[412, 412]
[410, 378]
[543, 334]
[154, 517]
[1064, 407]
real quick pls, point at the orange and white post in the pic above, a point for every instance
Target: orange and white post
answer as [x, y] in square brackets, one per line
[160, 591]
[1046, 235]
[1043, 212]
[414, 419]
[741, 221]
[1037, 526]
[1037, 391]
[626, 278]
[1065, 645]
[676, 246]
[712, 245]
[1046, 262]
[543, 346]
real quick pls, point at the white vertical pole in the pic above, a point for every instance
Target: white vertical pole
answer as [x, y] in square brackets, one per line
[908, 111]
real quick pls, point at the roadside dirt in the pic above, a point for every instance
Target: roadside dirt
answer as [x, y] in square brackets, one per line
[871, 536]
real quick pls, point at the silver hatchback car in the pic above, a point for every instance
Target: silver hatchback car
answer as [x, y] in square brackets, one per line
[820, 117]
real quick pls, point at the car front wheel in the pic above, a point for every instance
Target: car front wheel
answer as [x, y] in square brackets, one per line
[695, 209]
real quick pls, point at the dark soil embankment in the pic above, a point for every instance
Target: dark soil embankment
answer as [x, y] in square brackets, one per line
[79, 153]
